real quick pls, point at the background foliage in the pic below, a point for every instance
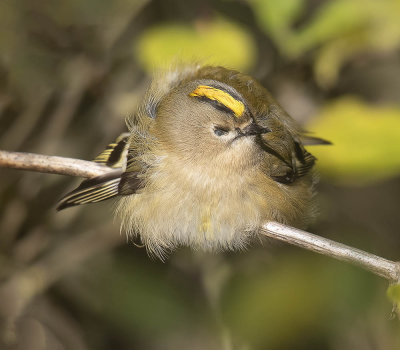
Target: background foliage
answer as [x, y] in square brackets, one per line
[71, 71]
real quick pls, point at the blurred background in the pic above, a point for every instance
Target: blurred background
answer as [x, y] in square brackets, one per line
[71, 71]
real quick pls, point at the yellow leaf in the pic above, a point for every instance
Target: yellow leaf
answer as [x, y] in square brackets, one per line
[216, 42]
[393, 293]
[366, 141]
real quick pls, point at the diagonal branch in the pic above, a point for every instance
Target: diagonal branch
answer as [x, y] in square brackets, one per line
[75, 167]
[373, 263]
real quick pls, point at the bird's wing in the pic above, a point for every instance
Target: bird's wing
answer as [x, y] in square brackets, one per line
[104, 186]
[93, 190]
[114, 155]
[290, 163]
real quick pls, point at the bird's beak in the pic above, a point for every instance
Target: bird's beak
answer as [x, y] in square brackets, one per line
[254, 129]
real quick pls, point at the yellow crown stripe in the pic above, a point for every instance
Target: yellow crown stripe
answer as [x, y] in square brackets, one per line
[237, 107]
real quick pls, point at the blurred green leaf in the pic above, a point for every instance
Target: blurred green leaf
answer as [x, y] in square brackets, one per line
[277, 17]
[338, 31]
[275, 308]
[346, 28]
[215, 42]
[366, 141]
[334, 19]
[135, 295]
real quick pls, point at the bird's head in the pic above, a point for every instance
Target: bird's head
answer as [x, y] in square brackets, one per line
[208, 121]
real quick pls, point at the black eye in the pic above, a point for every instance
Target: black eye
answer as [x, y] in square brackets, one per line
[220, 130]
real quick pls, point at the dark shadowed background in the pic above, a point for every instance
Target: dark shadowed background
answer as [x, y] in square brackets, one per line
[71, 71]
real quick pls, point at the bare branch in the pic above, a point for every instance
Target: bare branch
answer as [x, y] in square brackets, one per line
[75, 167]
[51, 164]
[373, 263]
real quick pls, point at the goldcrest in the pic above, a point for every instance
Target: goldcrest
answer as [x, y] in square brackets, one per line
[210, 156]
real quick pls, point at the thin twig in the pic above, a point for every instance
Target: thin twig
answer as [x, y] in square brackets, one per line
[51, 164]
[75, 167]
[373, 263]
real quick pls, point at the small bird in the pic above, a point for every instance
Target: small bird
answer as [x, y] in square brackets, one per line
[210, 156]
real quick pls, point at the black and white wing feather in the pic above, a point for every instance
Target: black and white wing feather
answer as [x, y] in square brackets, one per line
[102, 187]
